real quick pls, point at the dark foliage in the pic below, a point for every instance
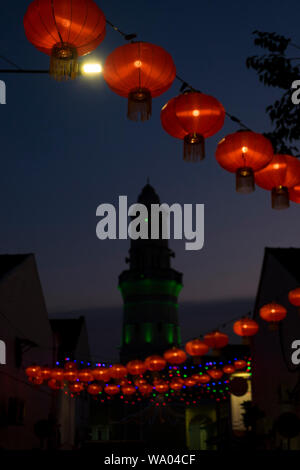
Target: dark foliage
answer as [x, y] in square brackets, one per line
[275, 69]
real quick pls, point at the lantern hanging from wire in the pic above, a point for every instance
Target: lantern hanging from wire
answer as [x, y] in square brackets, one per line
[57, 373]
[102, 374]
[70, 375]
[128, 390]
[279, 176]
[139, 71]
[112, 389]
[145, 389]
[245, 327]
[240, 364]
[45, 373]
[294, 298]
[94, 389]
[196, 348]
[229, 369]
[33, 371]
[76, 387]
[204, 379]
[273, 313]
[295, 194]
[175, 356]
[136, 367]
[215, 374]
[243, 153]
[118, 371]
[64, 30]
[193, 117]
[85, 375]
[177, 384]
[155, 363]
[216, 340]
[161, 386]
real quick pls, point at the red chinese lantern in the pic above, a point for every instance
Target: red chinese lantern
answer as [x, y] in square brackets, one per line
[216, 339]
[193, 117]
[128, 390]
[136, 367]
[140, 381]
[94, 389]
[33, 371]
[155, 363]
[70, 375]
[196, 348]
[45, 373]
[57, 374]
[161, 387]
[85, 375]
[294, 297]
[102, 374]
[118, 371]
[38, 380]
[245, 327]
[177, 384]
[76, 387]
[203, 379]
[240, 364]
[229, 369]
[215, 374]
[55, 384]
[244, 153]
[280, 175]
[190, 382]
[273, 313]
[139, 71]
[112, 389]
[64, 29]
[145, 389]
[295, 194]
[70, 365]
[175, 356]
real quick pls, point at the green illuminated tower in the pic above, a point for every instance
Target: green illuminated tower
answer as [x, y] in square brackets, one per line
[150, 289]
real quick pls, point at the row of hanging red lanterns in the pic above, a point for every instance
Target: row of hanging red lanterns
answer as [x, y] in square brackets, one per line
[141, 71]
[95, 380]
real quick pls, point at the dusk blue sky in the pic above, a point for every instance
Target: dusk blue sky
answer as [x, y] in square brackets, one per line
[68, 147]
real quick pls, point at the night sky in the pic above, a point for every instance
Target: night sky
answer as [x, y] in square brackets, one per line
[68, 147]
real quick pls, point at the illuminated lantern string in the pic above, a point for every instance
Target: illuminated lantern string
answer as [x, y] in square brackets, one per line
[155, 363]
[94, 389]
[229, 369]
[33, 371]
[240, 364]
[216, 340]
[196, 348]
[139, 71]
[273, 313]
[118, 371]
[76, 387]
[193, 117]
[294, 297]
[136, 367]
[102, 374]
[280, 175]
[215, 374]
[85, 375]
[64, 29]
[112, 389]
[295, 194]
[244, 153]
[245, 327]
[175, 356]
[70, 375]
